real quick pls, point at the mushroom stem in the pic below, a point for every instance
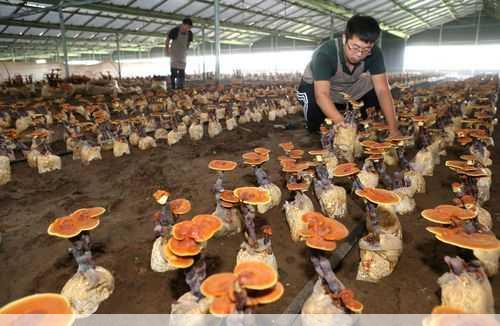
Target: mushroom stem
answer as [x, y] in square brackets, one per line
[386, 179]
[404, 164]
[248, 212]
[261, 175]
[218, 187]
[322, 174]
[371, 210]
[80, 250]
[240, 295]
[195, 276]
[356, 184]
[165, 221]
[324, 270]
[327, 139]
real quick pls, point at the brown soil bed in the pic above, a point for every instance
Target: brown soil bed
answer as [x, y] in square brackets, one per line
[32, 261]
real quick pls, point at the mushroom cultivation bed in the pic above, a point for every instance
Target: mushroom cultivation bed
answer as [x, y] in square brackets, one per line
[33, 262]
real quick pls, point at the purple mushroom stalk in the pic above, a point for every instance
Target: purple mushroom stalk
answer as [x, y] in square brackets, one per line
[385, 177]
[218, 187]
[371, 211]
[80, 250]
[404, 163]
[422, 139]
[478, 147]
[469, 185]
[322, 181]
[195, 275]
[327, 139]
[400, 181]
[164, 222]
[248, 212]
[261, 175]
[458, 266]
[323, 268]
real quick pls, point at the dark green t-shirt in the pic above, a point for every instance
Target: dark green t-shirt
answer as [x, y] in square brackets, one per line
[324, 61]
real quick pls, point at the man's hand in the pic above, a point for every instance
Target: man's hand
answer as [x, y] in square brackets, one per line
[394, 133]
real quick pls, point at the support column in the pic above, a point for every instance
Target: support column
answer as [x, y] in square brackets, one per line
[332, 26]
[440, 40]
[217, 40]
[63, 38]
[203, 51]
[478, 26]
[118, 56]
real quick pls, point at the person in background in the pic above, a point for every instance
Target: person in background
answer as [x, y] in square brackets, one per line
[176, 47]
[352, 64]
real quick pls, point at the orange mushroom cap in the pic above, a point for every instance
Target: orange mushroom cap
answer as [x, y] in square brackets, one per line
[460, 165]
[285, 158]
[267, 296]
[301, 186]
[217, 285]
[294, 167]
[262, 151]
[207, 226]
[436, 229]
[65, 227]
[379, 196]
[252, 195]
[345, 169]
[222, 306]
[316, 152]
[256, 275]
[161, 196]
[180, 206]
[229, 196]
[55, 308]
[252, 156]
[458, 237]
[185, 247]
[222, 165]
[444, 214]
[254, 162]
[226, 204]
[176, 261]
[287, 146]
[85, 221]
[442, 309]
[316, 242]
[464, 140]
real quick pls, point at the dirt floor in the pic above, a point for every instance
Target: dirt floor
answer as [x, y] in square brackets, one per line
[32, 261]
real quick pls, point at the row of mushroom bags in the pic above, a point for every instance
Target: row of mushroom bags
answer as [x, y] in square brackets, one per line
[382, 173]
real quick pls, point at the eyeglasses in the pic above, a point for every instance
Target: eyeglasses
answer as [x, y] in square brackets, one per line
[357, 49]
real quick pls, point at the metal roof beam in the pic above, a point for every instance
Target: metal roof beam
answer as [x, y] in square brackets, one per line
[411, 12]
[341, 12]
[138, 12]
[450, 8]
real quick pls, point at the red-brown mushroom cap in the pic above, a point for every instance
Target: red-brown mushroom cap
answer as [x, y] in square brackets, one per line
[445, 214]
[226, 204]
[379, 196]
[222, 165]
[256, 275]
[345, 169]
[436, 229]
[252, 195]
[229, 196]
[87, 218]
[458, 237]
[294, 167]
[161, 196]
[217, 285]
[176, 261]
[284, 158]
[459, 165]
[296, 153]
[256, 162]
[464, 140]
[319, 225]
[55, 308]
[347, 298]
[180, 206]
[183, 248]
[252, 156]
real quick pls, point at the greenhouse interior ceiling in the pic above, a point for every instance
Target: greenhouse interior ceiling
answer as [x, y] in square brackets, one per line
[33, 28]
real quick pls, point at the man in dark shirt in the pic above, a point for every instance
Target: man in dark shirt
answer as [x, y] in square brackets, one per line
[176, 47]
[352, 64]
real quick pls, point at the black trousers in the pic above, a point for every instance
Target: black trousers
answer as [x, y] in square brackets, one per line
[312, 112]
[177, 77]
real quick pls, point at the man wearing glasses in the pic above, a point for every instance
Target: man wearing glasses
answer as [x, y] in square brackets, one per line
[352, 64]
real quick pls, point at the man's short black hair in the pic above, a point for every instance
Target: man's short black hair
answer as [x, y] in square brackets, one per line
[187, 21]
[364, 27]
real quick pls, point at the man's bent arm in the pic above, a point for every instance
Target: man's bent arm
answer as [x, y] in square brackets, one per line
[324, 100]
[384, 97]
